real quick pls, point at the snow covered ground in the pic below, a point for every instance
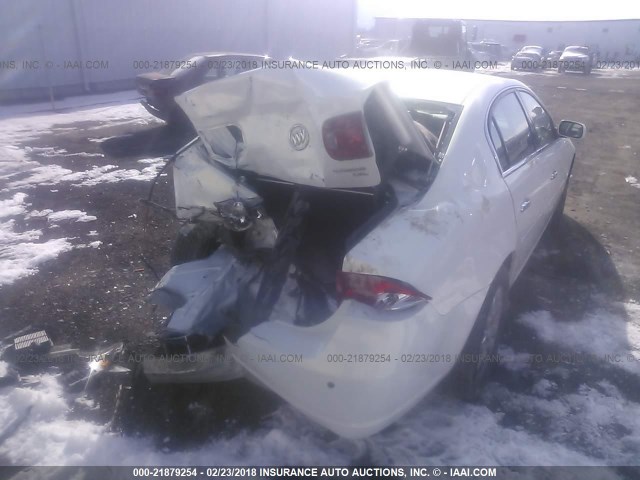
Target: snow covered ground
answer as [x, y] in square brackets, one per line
[593, 425]
[537, 411]
[22, 169]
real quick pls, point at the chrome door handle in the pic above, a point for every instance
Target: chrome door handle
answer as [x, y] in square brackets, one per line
[524, 205]
[554, 174]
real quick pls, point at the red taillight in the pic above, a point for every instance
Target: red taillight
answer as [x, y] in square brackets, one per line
[344, 137]
[381, 292]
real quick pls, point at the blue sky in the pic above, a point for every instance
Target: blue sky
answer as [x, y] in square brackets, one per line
[553, 10]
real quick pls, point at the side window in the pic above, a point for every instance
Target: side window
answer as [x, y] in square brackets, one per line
[513, 126]
[540, 120]
[497, 142]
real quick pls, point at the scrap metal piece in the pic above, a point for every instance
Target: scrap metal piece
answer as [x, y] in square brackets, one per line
[105, 360]
[36, 339]
[205, 294]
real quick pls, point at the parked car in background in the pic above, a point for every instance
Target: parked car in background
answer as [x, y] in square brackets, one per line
[576, 58]
[528, 58]
[369, 47]
[328, 217]
[552, 58]
[486, 50]
[160, 88]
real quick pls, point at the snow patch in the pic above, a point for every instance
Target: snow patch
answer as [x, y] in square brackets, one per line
[20, 253]
[633, 181]
[95, 244]
[18, 260]
[465, 434]
[58, 152]
[39, 213]
[13, 206]
[16, 131]
[592, 425]
[54, 174]
[602, 333]
[41, 175]
[544, 388]
[514, 361]
[13, 161]
[62, 441]
[596, 422]
[68, 215]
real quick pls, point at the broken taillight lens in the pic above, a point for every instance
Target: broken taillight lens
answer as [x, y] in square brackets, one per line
[344, 137]
[380, 292]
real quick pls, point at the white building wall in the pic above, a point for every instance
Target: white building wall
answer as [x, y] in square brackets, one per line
[116, 35]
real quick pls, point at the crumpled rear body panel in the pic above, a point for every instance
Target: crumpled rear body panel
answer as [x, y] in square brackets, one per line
[268, 105]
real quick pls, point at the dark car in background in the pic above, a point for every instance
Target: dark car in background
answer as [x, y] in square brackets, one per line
[576, 58]
[530, 57]
[160, 88]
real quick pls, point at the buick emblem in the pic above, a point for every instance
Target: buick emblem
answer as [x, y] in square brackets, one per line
[299, 137]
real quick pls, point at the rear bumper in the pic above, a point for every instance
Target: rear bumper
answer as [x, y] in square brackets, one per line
[361, 370]
[212, 365]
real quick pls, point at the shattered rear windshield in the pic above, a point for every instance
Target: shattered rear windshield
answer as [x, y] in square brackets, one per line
[439, 119]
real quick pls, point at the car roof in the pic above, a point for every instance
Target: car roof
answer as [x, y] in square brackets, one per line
[446, 86]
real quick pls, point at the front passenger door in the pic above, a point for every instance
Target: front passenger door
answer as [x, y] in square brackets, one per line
[552, 154]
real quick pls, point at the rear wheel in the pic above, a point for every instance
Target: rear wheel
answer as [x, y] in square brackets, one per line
[478, 357]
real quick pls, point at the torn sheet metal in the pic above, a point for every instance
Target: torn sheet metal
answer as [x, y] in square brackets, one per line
[281, 115]
[206, 295]
[200, 183]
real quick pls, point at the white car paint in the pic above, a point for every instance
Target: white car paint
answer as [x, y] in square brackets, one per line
[451, 243]
[266, 107]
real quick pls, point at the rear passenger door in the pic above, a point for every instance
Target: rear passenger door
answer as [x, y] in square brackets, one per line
[516, 147]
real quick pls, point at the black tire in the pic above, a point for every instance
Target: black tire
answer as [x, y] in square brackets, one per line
[478, 355]
[193, 242]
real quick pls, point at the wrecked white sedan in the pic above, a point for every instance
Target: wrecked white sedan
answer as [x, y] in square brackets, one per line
[351, 237]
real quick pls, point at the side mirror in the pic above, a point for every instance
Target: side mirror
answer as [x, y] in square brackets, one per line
[569, 128]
